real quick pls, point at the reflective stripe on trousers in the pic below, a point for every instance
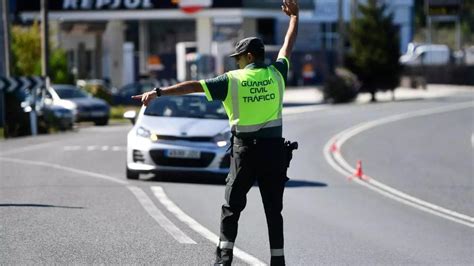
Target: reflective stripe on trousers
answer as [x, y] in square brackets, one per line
[226, 245]
[277, 252]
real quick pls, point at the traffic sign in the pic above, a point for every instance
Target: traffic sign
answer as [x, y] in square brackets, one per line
[25, 84]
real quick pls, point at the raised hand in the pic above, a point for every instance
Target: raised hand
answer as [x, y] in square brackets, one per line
[145, 97]
[290, 7]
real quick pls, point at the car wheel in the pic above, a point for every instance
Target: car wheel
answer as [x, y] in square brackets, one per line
[102, 122]
[132, 174]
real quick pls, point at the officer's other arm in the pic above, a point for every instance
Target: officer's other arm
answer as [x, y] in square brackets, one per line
[178, 89]
[290, 7]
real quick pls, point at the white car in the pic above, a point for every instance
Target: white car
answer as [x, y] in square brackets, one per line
[178, 134]
[426, 54]
[80, 103]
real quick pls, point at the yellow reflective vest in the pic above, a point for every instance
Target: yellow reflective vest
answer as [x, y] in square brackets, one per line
[254, 99]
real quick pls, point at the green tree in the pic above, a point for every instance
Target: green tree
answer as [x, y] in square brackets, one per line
[26, 53]
[26, 50]
[375, 48]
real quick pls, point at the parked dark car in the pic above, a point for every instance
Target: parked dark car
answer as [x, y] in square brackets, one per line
[83, 105]
[124, 94]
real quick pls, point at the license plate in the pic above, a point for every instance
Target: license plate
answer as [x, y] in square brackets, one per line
[97, 113]
[183, 154]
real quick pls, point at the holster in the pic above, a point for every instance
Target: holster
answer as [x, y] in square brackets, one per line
[289, 148]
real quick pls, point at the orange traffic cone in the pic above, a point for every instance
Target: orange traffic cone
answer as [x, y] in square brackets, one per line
[334, 147]
[358, 172]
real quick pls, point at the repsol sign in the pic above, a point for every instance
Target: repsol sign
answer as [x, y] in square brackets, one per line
[106, 4]
[86, 5]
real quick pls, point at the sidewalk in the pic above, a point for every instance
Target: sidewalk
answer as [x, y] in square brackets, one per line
[313, 95]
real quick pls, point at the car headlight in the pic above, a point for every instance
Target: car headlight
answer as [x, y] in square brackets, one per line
[222, 139]
[70, 106]
[143, 132]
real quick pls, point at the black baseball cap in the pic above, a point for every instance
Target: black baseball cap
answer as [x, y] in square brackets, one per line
[252, 45]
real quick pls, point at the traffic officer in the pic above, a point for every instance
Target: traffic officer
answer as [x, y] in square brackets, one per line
[252, 97]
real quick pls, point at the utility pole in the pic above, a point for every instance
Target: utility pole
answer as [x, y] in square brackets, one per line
[44, 39]
[6, 37]
[5, 58]
[341, 30]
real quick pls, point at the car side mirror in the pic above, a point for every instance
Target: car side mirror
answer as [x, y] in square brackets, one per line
[130, 115]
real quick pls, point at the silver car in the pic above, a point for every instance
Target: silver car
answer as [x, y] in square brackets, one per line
[178, 134]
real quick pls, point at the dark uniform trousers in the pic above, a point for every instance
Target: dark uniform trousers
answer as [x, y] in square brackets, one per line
[264, 161]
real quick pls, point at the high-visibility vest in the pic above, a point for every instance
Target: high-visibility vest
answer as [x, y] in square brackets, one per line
[254, 99]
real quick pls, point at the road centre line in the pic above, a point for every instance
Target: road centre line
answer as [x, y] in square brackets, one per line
[303, 109]
[340, 164]
[28, 148]
[193, 224]
[159, 217]
[65, 168]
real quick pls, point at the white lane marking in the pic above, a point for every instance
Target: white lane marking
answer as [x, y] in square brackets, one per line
[28, 148]
[159, 217]
[118, 148]
[72, 148]
[65, 168]
[303, 109]
[340, 164]
[94, 148]
[193, 224]
[91, 147]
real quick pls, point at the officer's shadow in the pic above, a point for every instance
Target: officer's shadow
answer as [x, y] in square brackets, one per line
[220, 180]
[292, 183]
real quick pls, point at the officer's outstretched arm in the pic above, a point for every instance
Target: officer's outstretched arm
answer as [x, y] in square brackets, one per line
[178, 89]
[290, 7]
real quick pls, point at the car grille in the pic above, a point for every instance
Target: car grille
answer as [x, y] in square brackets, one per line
[158, 156]
[194, 139]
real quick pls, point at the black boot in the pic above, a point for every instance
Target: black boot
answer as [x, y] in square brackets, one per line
[223, 256]
[277, 261]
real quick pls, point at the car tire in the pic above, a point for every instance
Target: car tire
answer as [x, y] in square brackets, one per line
[102, 122]
[133, 175]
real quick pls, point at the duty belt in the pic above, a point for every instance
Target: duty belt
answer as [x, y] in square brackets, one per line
[256, 141]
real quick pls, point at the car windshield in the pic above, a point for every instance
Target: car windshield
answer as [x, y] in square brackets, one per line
[186, 106]
[70, 92]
